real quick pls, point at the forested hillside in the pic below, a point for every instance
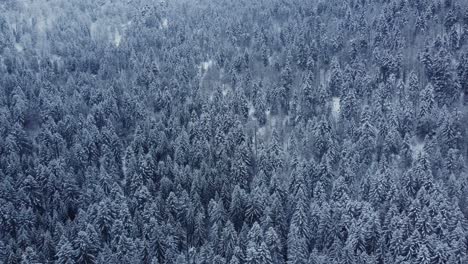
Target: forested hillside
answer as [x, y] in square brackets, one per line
[246, 131]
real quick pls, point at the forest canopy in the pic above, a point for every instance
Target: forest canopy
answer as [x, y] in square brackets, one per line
[219, 131]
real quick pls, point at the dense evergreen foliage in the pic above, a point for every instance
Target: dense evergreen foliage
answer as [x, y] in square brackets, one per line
[247, 131]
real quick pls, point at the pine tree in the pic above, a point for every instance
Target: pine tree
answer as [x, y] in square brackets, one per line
[438, 68]
[83, 248]
[299, 218]
[237, 206]
[297, 248]
[255, 205]
[258, 254]
[413, 87]
[19, 105]
[273, 243]
[425, 112]
[29, 256]
[229, 239]
[463, 74]
[65, 253]
[336, 79]
[308, 97]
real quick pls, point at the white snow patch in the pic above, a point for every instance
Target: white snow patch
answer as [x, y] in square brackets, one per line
[336, 107]
[277, 27]
[273, 121]
[165, 23]
[18, 47]
[41, 25]
[44, 23]
[225, 91]
[417, 148]
[270, 60]
[117, 38]
[221, 73]
[93, 29]
[322, 77]
[261, 131]
[251, 109]
[206, 65]
[112, 32]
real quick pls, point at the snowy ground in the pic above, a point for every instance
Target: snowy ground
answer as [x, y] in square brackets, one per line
[336, 107]
[251, 111]
[206, 65]
[261, 131]
[226, 89]
[18, 47]
[117, 38]
[417, 148]
[165, 23]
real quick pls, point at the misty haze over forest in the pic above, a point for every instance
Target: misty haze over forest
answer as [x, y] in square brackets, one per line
[234, 131]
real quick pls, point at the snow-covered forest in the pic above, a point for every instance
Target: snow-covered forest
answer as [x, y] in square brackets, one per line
[246, 131]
